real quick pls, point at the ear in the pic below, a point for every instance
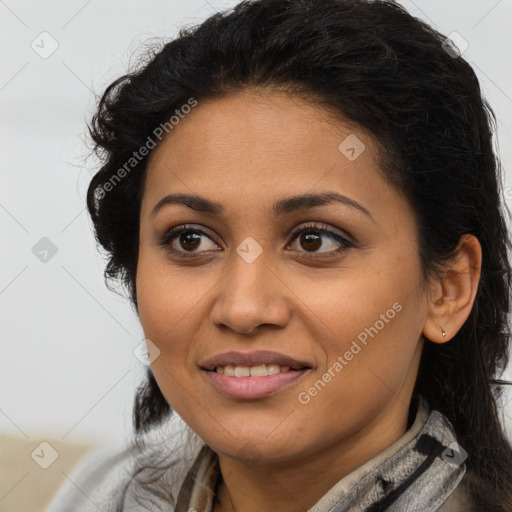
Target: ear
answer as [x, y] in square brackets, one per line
[451, 299]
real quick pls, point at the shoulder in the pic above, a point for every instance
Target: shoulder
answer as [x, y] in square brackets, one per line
[111, 478]
[96, 482]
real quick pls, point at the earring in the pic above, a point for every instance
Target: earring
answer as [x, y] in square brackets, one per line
[444, 334]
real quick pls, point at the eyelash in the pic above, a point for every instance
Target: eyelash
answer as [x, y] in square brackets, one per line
[318, 228]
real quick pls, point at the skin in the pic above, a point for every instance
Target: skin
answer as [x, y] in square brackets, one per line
[246, 151]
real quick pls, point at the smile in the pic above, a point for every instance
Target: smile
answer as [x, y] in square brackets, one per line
[261, 370]
[250, 383]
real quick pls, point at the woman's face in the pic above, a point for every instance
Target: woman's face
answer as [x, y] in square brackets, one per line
[346, 304]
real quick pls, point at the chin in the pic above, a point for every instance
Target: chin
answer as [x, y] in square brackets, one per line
[254, 448]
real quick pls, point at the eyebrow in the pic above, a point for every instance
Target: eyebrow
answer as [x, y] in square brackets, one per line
[280, 208]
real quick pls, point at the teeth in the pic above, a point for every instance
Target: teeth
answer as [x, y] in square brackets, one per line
[259, 371]
[253, 371]
[272, 369]
[242, 371]
[229, 370]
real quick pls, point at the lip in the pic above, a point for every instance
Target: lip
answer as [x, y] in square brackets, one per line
[253, 388]
[254, 358]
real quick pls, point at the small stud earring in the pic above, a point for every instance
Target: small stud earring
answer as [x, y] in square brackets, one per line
[444, 334]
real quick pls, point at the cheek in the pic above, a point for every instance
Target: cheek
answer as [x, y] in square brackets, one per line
[172, 303]
[374, 359]
[165, 302]
[161, 314]
[373, 328]
[166, 315]
[165, 295]
[365, 369]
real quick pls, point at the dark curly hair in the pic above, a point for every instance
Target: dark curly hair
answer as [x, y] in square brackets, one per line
[390, 73]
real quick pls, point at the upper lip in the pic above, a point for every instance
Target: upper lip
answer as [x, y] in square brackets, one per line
[255, 358]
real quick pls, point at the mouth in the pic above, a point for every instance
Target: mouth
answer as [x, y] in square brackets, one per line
[258, 363]
[262, 370]
[253, 375]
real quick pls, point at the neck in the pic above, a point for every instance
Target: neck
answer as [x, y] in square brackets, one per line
[296, 485]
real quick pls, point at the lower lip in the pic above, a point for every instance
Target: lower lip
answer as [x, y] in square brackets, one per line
[251, 388]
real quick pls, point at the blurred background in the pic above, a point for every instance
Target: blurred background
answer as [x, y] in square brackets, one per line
[67, 367]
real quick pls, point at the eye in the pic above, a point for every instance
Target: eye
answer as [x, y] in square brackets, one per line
[311, 239]
[186, 240]
[189, 240]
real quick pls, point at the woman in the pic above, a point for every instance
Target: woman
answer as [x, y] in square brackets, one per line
[303, 202]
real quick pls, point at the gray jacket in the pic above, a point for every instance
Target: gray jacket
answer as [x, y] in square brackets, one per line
[423, 471]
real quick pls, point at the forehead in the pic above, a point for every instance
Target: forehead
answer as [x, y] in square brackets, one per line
[247, 147]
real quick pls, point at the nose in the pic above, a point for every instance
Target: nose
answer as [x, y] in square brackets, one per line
[251, 294]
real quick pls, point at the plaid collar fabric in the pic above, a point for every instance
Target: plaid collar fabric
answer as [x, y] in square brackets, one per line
[417, 473]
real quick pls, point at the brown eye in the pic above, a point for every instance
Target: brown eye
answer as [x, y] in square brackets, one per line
[189, 241]
[310, 237]
[310, 241]
[185, 240]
